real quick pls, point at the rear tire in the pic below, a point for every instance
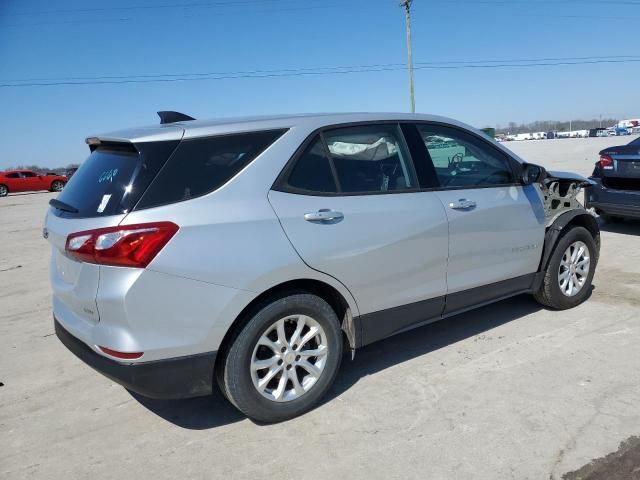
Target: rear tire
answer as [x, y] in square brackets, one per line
[4, 191]
[567, 283]
[57, 186]
[269, 372]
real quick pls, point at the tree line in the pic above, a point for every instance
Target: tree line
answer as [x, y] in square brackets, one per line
[555, 125]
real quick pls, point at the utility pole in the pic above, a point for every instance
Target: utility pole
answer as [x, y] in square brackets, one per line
[407, 13]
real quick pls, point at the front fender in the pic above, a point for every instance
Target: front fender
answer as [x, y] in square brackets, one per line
[564, 221]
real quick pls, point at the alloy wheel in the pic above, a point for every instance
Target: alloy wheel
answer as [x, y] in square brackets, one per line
[289, 358]
[574, 268]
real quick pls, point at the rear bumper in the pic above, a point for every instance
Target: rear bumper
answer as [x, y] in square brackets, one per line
[628, 211]
[181, 377]
[611, 201]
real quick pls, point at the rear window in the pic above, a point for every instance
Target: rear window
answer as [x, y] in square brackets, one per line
[114, 177]
[201, 165]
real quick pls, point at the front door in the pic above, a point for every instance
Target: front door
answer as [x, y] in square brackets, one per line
[496, 225]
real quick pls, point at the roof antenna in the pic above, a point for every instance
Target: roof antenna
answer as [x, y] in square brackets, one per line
[172, 117]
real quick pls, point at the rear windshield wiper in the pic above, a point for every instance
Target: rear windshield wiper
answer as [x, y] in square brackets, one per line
[65, 207]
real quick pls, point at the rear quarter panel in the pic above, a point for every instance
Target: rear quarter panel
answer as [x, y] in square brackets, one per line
[232, 238]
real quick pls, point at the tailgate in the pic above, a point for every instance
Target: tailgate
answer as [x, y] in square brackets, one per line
[74, 283]
[99, 195]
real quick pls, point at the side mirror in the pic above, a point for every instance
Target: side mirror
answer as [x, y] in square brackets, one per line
[532, 174]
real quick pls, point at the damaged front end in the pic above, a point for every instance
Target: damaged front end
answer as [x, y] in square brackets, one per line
[560, 191]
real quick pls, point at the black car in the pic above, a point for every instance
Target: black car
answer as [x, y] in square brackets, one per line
[616, 192]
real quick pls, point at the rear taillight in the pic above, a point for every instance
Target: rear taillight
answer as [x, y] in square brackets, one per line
[606, 161]
[123, 246]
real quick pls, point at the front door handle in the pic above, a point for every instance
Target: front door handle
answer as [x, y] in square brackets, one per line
[324, 215]
[463, 204]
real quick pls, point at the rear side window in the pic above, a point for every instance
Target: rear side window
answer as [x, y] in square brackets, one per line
[201, 165]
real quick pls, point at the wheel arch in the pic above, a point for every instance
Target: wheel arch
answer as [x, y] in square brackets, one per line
[324, 290]
[561, 225]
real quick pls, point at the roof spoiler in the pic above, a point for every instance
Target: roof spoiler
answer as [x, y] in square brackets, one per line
[172, 117]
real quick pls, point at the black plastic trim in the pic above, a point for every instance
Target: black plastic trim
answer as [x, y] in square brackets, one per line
[472, 298]
[181, 377]
[384, 323]
[375, 326]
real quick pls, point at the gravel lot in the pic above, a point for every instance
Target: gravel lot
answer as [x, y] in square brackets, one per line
[507, 391]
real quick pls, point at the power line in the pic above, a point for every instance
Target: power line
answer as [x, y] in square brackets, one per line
[324, 68]
[236, 3]
[275, 9]
[337, 71]
[185, 5]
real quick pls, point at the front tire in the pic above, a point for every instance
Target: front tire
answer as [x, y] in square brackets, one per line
[284, 360]
[569, 273]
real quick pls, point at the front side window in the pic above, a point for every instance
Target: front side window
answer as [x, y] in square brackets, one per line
[461, 160]
[28, 174]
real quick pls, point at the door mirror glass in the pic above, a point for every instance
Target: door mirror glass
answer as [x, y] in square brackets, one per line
[532, 173]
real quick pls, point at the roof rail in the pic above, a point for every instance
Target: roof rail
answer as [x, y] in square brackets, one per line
[172, 117]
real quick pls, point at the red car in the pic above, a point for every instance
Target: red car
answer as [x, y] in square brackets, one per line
[29, 181]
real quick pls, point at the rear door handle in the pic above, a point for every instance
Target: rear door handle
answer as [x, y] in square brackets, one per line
[463, 204]
[323, 215]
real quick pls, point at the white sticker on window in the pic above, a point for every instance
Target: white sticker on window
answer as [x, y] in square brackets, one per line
[103, 203]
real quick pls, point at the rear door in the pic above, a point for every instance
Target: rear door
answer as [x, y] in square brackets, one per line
[496, 226]
[351, 206]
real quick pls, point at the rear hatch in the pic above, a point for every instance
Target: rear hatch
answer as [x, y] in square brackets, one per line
[620, 166]
[100, 194]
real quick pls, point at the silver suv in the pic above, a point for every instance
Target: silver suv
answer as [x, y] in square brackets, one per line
[251, 252]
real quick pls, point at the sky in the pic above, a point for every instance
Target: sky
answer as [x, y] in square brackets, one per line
[291, 47]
